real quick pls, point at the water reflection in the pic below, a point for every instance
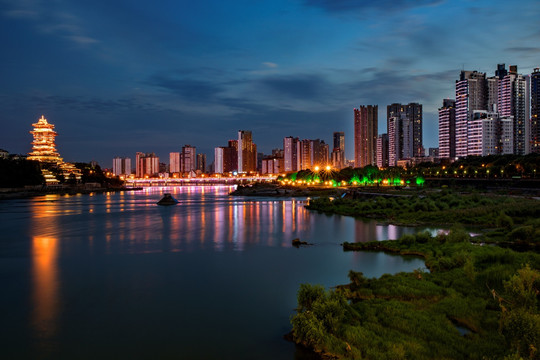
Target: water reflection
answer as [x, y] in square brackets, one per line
[45, 295]
[132, 262]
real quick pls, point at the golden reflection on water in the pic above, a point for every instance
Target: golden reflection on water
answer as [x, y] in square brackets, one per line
[45, 296]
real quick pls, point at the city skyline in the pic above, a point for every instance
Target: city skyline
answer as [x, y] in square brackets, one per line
[120, 78]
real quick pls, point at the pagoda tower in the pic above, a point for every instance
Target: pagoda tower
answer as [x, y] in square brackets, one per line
[43, 146]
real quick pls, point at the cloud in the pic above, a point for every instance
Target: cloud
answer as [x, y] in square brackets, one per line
[296, 86]
[270, 65]
[341, 6]
[58, 22]
[523, 49]
[193, 90]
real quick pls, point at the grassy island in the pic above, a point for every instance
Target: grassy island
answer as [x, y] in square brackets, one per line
[474, 301]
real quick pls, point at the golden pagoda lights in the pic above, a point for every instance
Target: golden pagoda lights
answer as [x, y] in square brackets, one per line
[43, 146]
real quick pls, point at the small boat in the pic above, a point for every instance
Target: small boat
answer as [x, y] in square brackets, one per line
[167, 200]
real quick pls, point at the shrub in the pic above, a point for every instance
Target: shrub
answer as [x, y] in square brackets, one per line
[504, 221]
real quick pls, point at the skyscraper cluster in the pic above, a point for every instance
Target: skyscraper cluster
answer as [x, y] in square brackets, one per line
[401, 142]
[491, 115]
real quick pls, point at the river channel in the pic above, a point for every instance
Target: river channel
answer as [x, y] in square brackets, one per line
[114, 276]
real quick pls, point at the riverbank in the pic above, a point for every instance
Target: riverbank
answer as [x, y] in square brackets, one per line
[475, 302]
[469, 304]
[27, 192]
[273, 190]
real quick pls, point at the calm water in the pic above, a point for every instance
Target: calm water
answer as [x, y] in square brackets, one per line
[116, 276]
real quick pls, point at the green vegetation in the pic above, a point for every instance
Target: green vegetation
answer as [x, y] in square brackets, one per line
[488, 292]
[436, 207]
[473, 167]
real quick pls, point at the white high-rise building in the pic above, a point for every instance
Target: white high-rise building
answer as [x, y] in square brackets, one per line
[447, 129]
[471, 94]
[174, 162]
[512, 95]
[218, 160]
[290, 153]
[489, 134]
[121, 166]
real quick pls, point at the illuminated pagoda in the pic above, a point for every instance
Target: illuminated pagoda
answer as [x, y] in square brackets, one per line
[44, 151]
[43, 146]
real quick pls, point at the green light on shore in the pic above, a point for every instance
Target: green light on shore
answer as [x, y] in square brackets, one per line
[420, 181]
[334, 183]
[354, 180]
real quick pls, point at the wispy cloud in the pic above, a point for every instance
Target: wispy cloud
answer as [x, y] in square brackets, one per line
[58, 22]
[270, 65]
[339, 6]
[524, 49]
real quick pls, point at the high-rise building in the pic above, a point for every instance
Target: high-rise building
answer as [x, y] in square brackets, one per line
[219, 160]
[121, 166]
[138, 156]
[338, 152]
[535, 111]
[512, 92]
[400, 139]
[290, 153]
[201, 162]
[312, 153]
[43, 145]
[365, 135]
[272, 164]
[147, 164]
[413, 111]
[188, 159]
[339, 140]
[174, 162]
[382, 151]
[490, 134]
[471, 94]
[247, 152]
[447, 129]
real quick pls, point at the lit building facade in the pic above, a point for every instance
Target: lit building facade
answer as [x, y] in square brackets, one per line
[121, 166]
[490, 134]
[338, 152]
[382, 151]
[535, 111]
[147, 165]
[43, 144]
[247, 152]
[201, 163]
[218, 159]
[400, 139]
[365, 135]
[290, 154]
[447, 129]
[471, 94]
[512, 94]
[272, 165]
[414, 112]
[312, 153]
[188, 159]
[174, 163]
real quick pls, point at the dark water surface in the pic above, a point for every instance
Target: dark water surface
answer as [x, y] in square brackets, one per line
[114, 276]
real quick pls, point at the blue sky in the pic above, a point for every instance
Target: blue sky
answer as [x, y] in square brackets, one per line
[117, 77]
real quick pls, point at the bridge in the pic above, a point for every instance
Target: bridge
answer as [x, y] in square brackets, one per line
[210, 180]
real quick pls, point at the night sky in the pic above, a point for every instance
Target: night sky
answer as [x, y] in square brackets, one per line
[117, 77]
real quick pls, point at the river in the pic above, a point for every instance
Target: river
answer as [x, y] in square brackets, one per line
[114, 276]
